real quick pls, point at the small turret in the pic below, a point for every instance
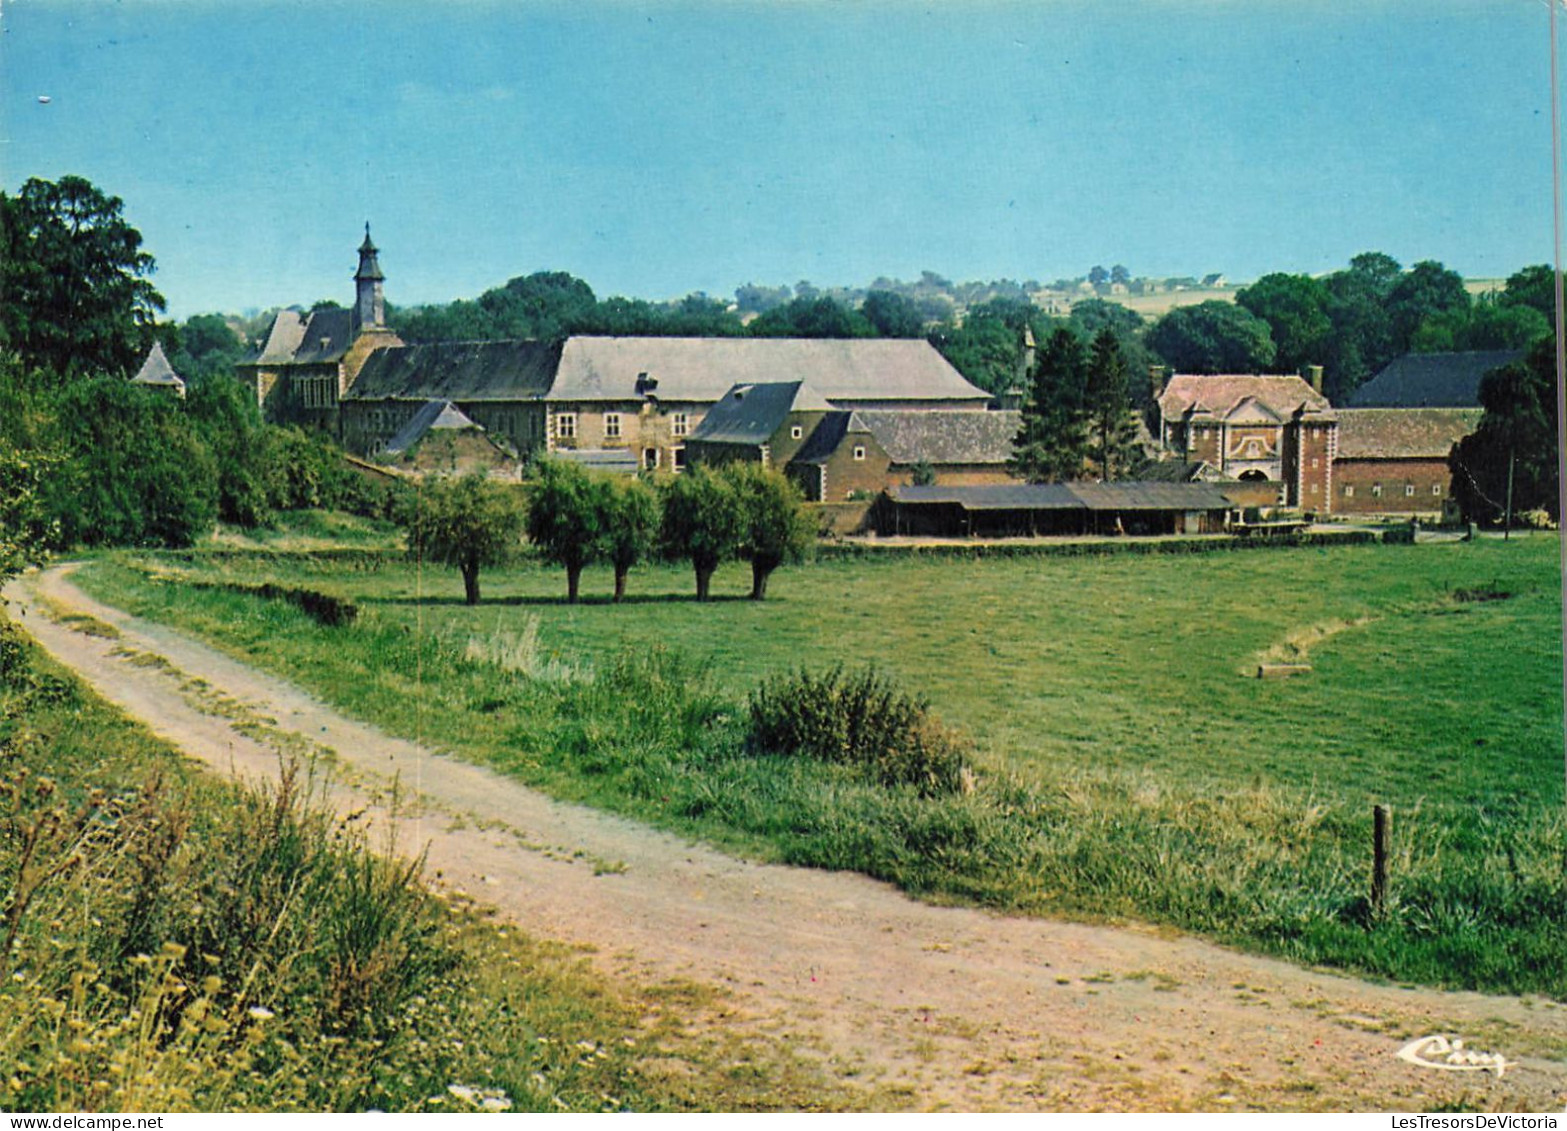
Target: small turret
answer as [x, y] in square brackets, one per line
[369, 304]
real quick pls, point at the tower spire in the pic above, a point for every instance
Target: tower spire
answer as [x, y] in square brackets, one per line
[369, 305]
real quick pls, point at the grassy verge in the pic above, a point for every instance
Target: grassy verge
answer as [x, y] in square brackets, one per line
[171, 943]
[1128, 767]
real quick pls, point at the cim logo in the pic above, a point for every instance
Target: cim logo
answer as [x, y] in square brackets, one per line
[1450, 1055]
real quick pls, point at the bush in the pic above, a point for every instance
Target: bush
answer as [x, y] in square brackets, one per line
[860, 719]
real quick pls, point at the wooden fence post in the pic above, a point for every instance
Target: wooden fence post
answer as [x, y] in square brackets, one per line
[1381, 822]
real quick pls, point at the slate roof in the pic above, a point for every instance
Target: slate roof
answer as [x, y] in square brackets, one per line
[1403, 433]
[156, 370]
[457, 371]
[751, 414]
[1431, 380]
[1174, 470]
[314, 339]
[435, 416]
[1128, 496]
[942, 437]
[704, 369]
[1223, 394]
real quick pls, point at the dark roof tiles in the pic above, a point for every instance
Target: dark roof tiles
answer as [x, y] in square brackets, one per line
[1431, 380]
[465, 371]
[1403, 433]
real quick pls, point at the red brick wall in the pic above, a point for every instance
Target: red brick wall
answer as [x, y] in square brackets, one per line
[1316, 467]
[1355, 483]
[846, 475]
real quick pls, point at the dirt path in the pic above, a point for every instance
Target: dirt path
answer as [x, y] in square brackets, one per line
[933, 1008]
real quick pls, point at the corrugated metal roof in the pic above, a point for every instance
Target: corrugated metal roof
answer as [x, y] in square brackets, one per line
[1129, 496]
[457, 371]
[1403, 433]
[703, 369]
[1432, 380]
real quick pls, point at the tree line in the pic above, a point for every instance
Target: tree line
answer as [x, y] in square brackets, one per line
[575, 518]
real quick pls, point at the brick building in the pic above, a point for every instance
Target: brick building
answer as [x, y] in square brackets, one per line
[1259, 429]
[1393, 461]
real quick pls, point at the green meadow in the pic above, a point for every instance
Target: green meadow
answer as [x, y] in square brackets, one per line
[1128, 765]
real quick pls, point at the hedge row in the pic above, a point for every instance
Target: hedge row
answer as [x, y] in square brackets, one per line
[982, 549]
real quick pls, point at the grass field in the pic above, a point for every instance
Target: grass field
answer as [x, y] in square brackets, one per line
[173, 943]
[1129, 765]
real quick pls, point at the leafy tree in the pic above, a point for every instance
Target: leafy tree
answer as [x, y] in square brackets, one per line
[815, 317]
[1053, 440]
[1517, 434]
[1426, 290]
[1095, 314]
[1534, 287]
[546, 305]
[206, 346]
[631, 522]
[1114, 431]
[1361, 339]
[774, 525]
[754, 299]
[74, 292]
[1097, 276]
[468, 523]
[566, 517]
[893, 315]
[1295, 307]
[26, 527]
[922, 474]
[1119, 274]
[230, 425]
[136, 472]
[988, 347]
[1488, 325]
[703, 523]
[1213, 337]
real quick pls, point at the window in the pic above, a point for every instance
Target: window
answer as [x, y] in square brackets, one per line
[612, 426]
[679, 423]
[796, 432]
[650, 458]
[680, 459]
[1436, 490]
[565, 426]
[1349, 490]
[1313, 488]
[1409, 490]
[1313, 461]
[859, 451]
[1376, 490]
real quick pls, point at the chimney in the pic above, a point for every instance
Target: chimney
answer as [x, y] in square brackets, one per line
[1314, 375]
[1156, 380]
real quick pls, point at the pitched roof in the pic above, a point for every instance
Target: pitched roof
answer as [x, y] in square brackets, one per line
[943, 437]
[1431, 380]
[434, 416]
[751, 414]
[1403, 433]
[826, 436]
[296, 339]
[1223, 394]
[703, 369]
[156, 370]
[1128, 496]
[1174, 470]
[457, 371]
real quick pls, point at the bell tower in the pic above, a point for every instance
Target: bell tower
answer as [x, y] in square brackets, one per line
[369, 304]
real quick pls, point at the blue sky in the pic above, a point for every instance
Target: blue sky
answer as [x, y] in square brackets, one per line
[660, 148]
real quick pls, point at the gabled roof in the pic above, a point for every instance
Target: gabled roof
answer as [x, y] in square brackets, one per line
[703, 369]
[1249, 410]
[827, 435]
[752, 414]
[457, 371]
[1221, 394]
[1180, 471]
[1431, 380]
[1403, 433]
[314, 339]
[435, 416]
[156, 370]
[942, 437]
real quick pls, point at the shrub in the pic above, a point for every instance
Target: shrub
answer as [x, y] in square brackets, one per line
[860, 719]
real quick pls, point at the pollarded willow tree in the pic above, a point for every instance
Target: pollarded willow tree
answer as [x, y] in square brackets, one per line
[631, 523]
[703, 523]
[468, 523]
[567, 517]
[774, 525]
